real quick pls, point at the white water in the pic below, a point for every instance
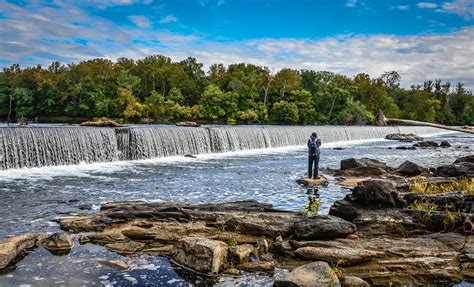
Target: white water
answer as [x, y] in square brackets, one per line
[58, 146]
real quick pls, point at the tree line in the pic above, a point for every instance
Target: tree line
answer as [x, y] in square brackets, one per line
[159, 89]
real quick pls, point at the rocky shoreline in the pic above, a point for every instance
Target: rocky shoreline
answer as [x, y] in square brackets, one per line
[401, 226]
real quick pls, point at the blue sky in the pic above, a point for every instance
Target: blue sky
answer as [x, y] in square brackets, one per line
[420, 39]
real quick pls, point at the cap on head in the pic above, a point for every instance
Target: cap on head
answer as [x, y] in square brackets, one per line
[314, 135]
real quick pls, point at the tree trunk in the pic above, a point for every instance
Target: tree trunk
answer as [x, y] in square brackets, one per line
[417, 123]
[10, 110]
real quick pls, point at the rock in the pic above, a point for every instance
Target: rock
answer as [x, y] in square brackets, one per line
[469, 158]
[115, 263]
[130, 247]
[456, 170]
[352, 163]
[201, 254]
[190, 156]
[333, 254]
[101, 123]
[58, 243]
[409, 168]
[323, 227]
[315, 274]
[352, 281]
[257, 266]
[232, 272]
[282, 248]
[380, 119]
[11, 249]
[427, 144]
[445, 144]
[243, 252]
[378, 192]
[404, 137]
[137, 233]
[350, 182]
[187, 124]
[311, 182]
[262, 246]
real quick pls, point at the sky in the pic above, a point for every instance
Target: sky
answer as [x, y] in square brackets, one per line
[421, 40]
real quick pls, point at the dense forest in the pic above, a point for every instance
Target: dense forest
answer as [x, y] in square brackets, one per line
[156, 88]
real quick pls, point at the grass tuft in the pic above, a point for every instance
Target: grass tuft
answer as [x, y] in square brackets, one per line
[462, 184]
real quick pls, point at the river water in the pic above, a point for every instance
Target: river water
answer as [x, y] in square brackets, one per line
[31, 198]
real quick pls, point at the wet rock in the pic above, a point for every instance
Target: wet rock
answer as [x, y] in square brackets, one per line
[352, 281]
[11, 249]
[244, 252]
[445, 144]
[282, 247]
[232, 272]
[449, 199]
[130, 247]
[409, 168]
[469, 158]
[334, 254]
[119, 264]
[58, 243]
[352, 163]
[187, 124]
[137, 233]
[190, 156]
[378, 192]
[350, 182]
[405, 148]
[456, 170]
[315, 274]
[404, 137]
[257, 266]
[101, 123]
[323, 227]
[427, 144]
[311, 182]
[201, 254]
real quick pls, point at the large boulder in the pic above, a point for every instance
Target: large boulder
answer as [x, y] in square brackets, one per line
[427, 144]
[458, 169]
[200, 254]
[345, 256]
[445, 144]
[352, 281]
[58, 243]
[14, 247]
[314, 274]
[469, 158]
[323, 227]
[378, 192]
[409, 168]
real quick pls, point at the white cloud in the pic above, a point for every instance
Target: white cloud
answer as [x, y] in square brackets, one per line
[168, 19]
[351, 3]
[140, 20]
[427, 5]
[108, 3]
[403, 7]
[463, 8]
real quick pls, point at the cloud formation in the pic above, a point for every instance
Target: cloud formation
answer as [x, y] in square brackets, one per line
[168, 19]
[428, 5]
[140, 20]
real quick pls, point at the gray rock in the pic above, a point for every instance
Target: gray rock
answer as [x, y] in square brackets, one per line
[427, 144]
[445, 144]
[14, 247]
[469, 158]
[200, 254]
[314, 274]
[352, 163]
[404, 137]
[58, 243]
[352, 281]
[323, 227]
[346, 256]
[378, 192]
[458, 169]
[409, 168]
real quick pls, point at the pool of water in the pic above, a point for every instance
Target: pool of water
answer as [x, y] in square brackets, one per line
[31, 199]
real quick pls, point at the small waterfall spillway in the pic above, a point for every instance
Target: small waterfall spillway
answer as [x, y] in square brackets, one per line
[50, 146]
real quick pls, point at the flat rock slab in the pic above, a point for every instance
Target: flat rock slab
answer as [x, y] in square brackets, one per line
[313, 182]
[201, 254]
[323, 227]
[14, 247]
[345, 256]
[352, 181]
[310, 275]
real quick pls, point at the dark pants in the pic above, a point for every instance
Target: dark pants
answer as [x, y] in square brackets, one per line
[313, 160]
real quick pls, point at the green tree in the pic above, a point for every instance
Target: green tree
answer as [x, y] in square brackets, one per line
[285, 112]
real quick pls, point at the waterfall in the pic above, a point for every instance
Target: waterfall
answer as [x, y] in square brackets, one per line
[36, 147]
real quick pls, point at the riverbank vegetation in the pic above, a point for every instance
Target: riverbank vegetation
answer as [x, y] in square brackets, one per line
[158, 89]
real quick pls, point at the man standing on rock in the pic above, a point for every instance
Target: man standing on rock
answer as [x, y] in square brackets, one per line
[313, 156]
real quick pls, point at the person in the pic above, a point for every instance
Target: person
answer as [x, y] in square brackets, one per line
[313, 156]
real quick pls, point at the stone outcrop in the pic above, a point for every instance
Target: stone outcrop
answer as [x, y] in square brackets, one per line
[101, 123]
[379, 193]
[426, 144]
[323, 227]
[201, 254]
[310, 275]
[12, 249]
[187, 124]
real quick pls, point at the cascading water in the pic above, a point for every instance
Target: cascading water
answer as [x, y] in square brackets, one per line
[36, 147]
